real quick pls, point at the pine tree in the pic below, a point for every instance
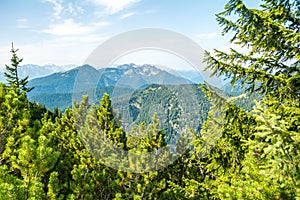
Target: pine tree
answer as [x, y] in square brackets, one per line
[97, 154]
[153, 137]
[271, 35]
[27, 157]
[251, 155]
[108, 123]
[12, 75]
[255, 156]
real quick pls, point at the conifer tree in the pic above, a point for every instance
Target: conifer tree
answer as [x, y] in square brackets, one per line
[12, 75]
[254, 158]
[108, 124]
[244, 155]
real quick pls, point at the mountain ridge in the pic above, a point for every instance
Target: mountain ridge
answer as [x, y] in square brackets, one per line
[34, 71]
[83, 78]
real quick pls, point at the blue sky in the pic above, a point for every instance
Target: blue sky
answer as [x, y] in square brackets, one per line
[66, 32]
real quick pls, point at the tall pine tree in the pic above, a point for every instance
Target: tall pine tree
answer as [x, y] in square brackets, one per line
[252, 155]
[12, 75]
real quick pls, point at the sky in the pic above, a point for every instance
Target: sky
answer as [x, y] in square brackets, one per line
[65, 32]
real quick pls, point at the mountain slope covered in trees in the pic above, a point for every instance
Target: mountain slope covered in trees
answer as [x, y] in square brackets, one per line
[129, 77]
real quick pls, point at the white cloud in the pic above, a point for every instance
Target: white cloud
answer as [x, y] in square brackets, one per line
[204, 36]
[74, 9]
[60, 7]
[114, 6]
[57, 7]
[69, 27]
[127, 15]
[22, 23]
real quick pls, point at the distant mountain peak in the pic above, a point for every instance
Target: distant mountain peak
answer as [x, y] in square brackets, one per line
[83, 67]
[36, 71]
[148, 70]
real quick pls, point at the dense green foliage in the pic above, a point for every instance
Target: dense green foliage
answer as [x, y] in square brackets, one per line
[173, 104]
[257, 155]
[238, 155]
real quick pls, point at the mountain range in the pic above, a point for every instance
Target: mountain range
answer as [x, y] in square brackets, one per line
[115, 80]
[36, 71]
